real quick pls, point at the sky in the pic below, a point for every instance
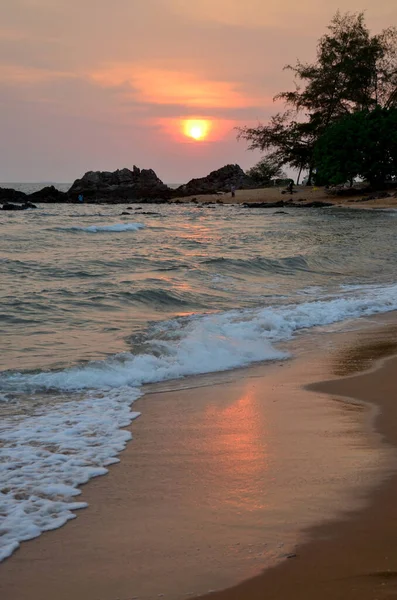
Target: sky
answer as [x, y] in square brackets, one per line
[100, 85]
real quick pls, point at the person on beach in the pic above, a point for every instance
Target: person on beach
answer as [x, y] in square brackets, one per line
[233, 190]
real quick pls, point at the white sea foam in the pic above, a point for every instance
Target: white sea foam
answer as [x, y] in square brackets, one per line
[46, 457]
[208, 343]
[116, 228]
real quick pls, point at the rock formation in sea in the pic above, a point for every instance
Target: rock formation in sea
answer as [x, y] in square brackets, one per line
[123, 185]
[21, 206]
[220, 180]
[49, 194]
[11, 195]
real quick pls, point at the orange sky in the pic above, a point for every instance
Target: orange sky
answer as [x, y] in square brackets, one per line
[93, 84]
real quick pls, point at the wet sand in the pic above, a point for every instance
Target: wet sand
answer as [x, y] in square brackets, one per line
[224, 479]
[355, 558]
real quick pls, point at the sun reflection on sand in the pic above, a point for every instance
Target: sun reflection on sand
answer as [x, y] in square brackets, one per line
[241, 448]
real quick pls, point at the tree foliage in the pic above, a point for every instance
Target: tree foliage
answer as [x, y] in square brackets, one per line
[266, 170]
[361, 144]
[353, 71]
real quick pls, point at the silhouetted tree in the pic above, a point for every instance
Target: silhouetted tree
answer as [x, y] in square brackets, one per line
[353, 71]
[362, 144]
[266, 170]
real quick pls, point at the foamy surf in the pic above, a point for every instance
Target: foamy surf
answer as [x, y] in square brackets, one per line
[207, 343]
[47, 456]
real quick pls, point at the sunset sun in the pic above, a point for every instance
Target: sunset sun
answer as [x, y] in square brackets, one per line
[196, 129]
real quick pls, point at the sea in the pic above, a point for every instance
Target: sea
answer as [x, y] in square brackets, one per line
[94, 304]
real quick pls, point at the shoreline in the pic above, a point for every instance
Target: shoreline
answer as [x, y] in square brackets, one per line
[354, 557]
[60, 560]
[303, 197]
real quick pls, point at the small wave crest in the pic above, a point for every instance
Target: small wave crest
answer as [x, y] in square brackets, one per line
[282, 266]
[116, 228]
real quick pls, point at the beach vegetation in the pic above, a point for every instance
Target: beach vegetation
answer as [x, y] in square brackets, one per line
[362, 144]
[354, 71]
[266, 170]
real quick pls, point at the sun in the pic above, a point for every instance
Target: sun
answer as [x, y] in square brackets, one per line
[197, 129]
[196, 132]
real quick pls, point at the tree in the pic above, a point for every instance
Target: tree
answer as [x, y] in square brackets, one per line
[266, 170]
[287, 142]
[353, 71]
[361, 144]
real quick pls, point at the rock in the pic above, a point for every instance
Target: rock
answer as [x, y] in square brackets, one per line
[23, 206]
[125, 213]
[278, 204]
[316, 204]
[9, 206]
[49, 194]
[217, 181]
[120, 186]
[342, 190]
[280, 212]
[287, 204]
[8, 194]
[379, 196]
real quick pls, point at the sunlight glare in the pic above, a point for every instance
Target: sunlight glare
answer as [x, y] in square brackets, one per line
[196, 129]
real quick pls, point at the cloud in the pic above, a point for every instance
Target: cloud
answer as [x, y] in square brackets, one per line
[20, 75]
[162, 86]
[258, 14]
[99, 84]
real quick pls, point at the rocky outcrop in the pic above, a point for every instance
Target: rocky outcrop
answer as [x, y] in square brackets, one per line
[10, 195]
[287, 204]
[21, 206]
[123, 185]
[49, 194]
[217, 181]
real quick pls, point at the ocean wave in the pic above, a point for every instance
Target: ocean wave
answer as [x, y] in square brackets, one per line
[207, 343]
[161, 298]
[282, 266]
[65, 445]
[116, 228]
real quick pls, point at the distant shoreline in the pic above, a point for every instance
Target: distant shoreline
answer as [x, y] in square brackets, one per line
[267, 197]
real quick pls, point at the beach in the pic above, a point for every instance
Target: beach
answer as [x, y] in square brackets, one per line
[181, 342]
[355, 557]
[302, 194]
[197, 374]
[190, 508]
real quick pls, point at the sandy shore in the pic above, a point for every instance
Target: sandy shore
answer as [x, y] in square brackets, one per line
[303, 194]
[355, 558]
[206, 495]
